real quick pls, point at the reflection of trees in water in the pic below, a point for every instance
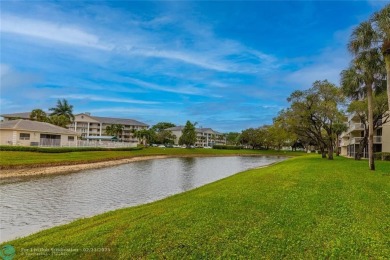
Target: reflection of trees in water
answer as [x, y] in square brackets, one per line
[187, 177]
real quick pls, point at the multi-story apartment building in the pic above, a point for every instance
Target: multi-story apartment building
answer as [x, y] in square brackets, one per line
[204, 136]
[350, 140]
[92, 127]
[89, 126]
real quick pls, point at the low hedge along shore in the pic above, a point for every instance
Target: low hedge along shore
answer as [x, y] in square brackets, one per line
[303, 208]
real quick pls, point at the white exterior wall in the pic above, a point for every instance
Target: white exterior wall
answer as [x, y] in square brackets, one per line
[85, 125]
[12, 137]
[386, 137]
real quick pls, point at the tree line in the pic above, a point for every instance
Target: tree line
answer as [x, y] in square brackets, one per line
[317, 116]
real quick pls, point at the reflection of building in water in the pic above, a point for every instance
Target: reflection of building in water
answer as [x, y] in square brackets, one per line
[187, 176]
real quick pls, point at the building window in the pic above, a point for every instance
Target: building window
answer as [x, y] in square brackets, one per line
[70, 138]
[24, 136]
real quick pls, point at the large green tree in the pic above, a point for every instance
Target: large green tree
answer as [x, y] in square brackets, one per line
[374, 34]
[254, 137]
[162, 135]
[145, 136]
[188, 136]
[279, 134]
[63, 108]
[232, 138]
[313, 112]
[162, 126]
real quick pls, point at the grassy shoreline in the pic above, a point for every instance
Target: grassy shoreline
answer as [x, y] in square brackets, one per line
[305, 207]
[23, 159]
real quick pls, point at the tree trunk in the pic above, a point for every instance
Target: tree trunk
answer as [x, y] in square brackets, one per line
[337, 146]
[362, 145]
[323, 154]
[371, 163]
[387, 61]
[330, 150]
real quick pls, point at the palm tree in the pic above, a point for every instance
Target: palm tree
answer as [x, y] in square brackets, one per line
[38, 115]
[374, 34]
[114, 130]
[363, 76]
[63, 108]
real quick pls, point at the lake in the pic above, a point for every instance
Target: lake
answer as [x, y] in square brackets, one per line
[28, 205]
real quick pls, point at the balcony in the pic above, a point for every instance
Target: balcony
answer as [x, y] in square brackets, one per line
[356, 140]
[356, 127]
[377, 139]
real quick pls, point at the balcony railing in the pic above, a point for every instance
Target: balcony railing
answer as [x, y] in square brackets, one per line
[377, 139]
[356, 127]
[356, 140]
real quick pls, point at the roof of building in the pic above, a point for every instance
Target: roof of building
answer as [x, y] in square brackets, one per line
[22, 115]
[112, 120]
[105, 120]
[35, 126]
[199, 130]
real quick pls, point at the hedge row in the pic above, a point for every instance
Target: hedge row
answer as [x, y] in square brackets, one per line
[227, 147]
[63, 149]
[382, 156]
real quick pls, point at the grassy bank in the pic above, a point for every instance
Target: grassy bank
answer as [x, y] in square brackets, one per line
[10, 159]
[305, 207]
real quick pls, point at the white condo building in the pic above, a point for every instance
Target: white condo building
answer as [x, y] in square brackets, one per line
[204, 136]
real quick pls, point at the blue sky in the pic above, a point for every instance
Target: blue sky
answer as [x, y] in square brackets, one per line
[228, 65]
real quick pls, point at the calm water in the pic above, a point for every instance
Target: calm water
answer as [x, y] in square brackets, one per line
[30, 205]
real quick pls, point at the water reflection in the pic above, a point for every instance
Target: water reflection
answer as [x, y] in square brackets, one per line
[29, 205]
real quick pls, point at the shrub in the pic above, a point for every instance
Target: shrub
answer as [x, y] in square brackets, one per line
[63, 149]
[382, 156]
[227, 147]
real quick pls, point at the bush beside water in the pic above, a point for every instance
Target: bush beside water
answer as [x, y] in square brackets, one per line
[227, 147]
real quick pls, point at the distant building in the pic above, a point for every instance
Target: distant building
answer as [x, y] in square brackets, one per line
[93, 126]
[204, 136]
[350, 139]
[32, 133]
[89, 127]
[13, 116]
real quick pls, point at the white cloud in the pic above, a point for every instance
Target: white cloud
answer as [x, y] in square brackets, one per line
[50, 31]
[104, 99]
[11, 79]
[181, 90]
[138, 41]
[137, 111]
[328, 64]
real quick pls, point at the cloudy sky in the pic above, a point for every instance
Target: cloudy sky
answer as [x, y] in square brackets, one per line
[228, 65]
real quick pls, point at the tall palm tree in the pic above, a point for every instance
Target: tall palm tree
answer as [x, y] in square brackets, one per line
[365, 74]
[374, 34]
[63, 108]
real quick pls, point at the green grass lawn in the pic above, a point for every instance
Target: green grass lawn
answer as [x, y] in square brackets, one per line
[21, 158]
[303, 208]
